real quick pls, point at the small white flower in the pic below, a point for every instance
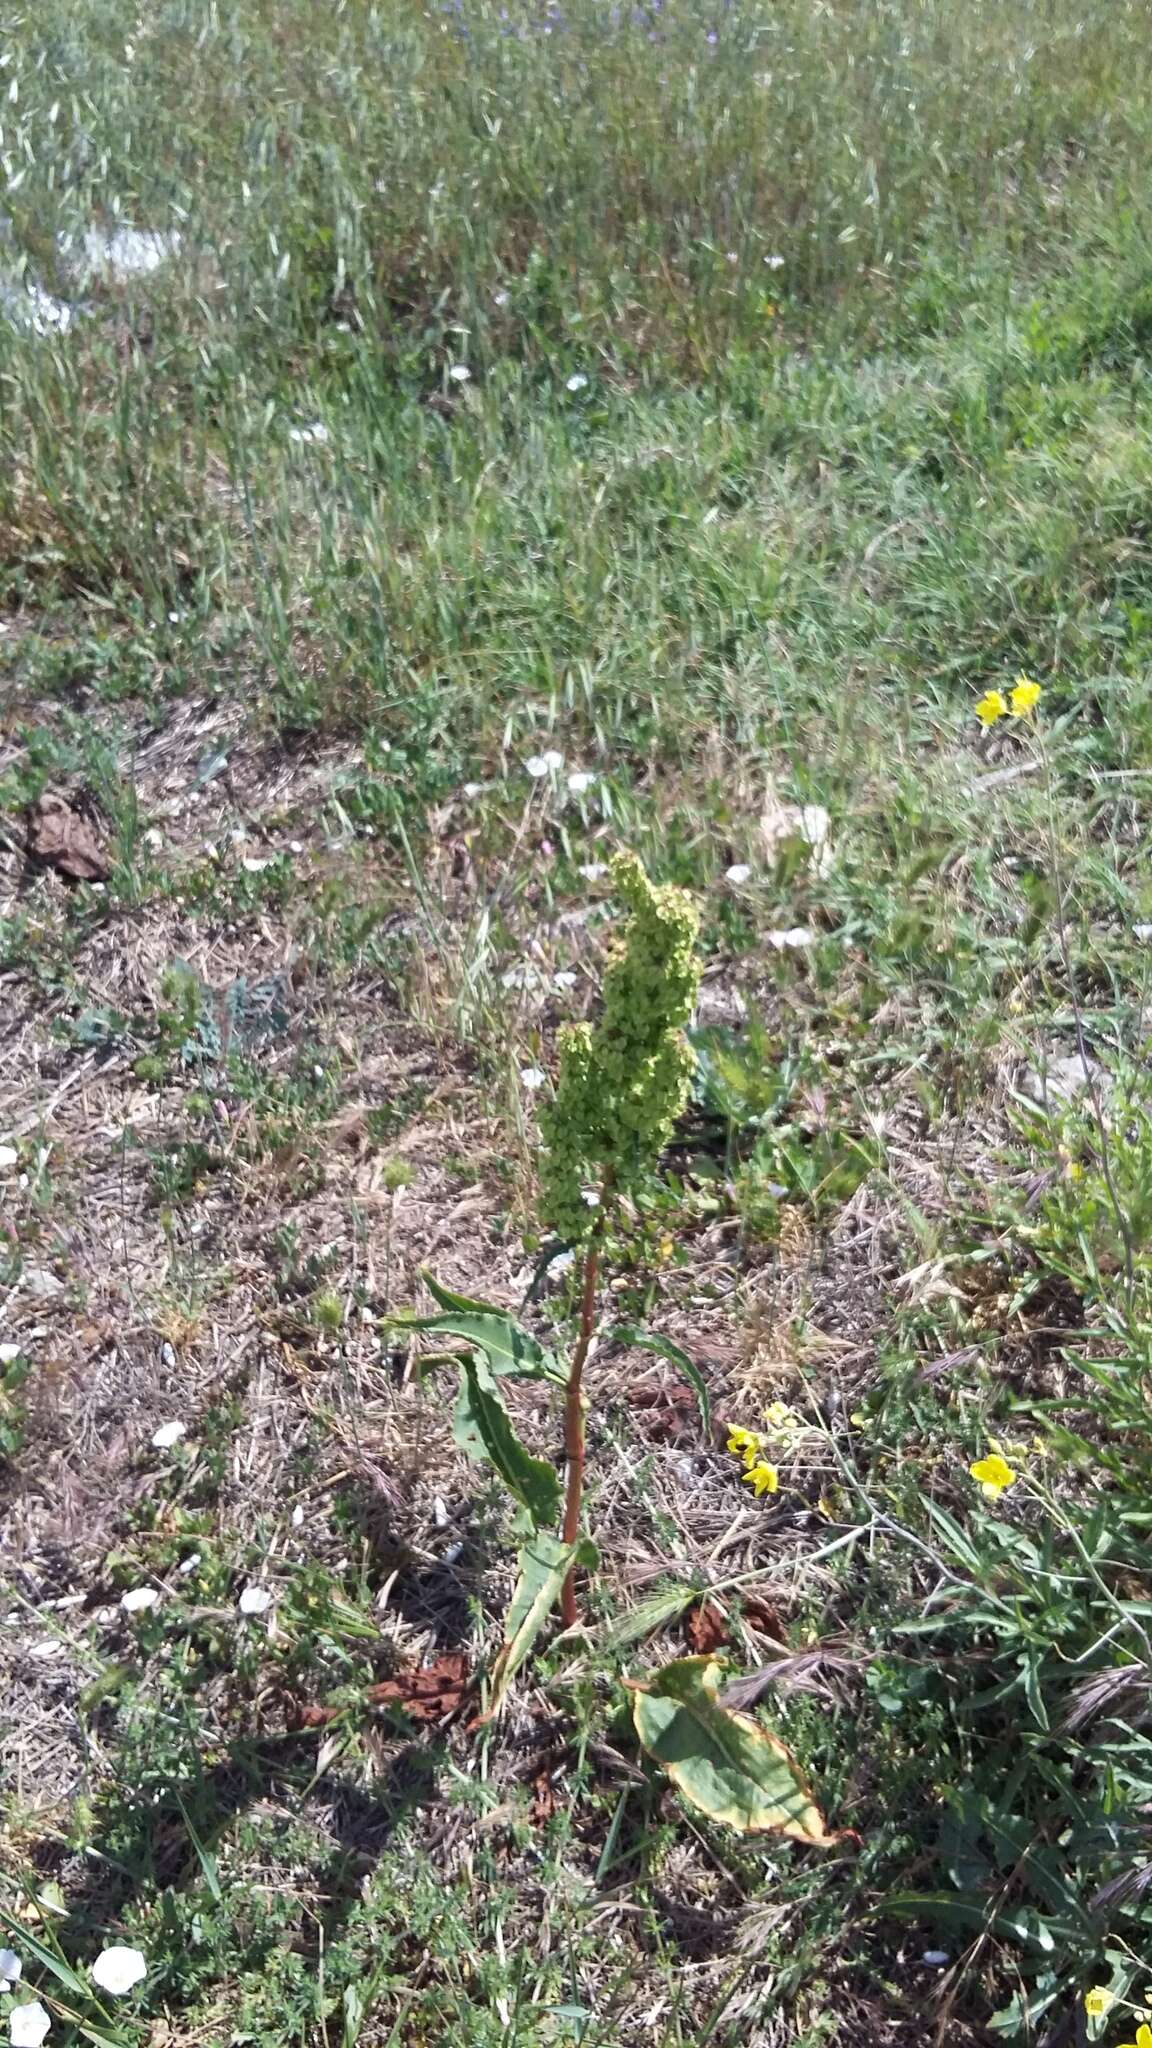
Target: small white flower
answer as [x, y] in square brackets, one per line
[8, 1352]
[317, 433]
[255, 1600]
[532, 1077]
[139, 1599]
[8, 1156]
[798, 935]
[1142, 931]
[774, 262]
[593, 871]
[471, 790]
[11, 1968]
[253, 866]
[536, 766]
[580, 781]
[590, 1198]
[565, 979]
[117, 1969]
[576, 382]
[460, 373]
[738, 872]
[552, 760]
[169, 1433]
[28, 2025]
[188, 1565]
[500, 298]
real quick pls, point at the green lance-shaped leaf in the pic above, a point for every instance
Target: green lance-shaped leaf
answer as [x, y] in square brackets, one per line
[544, 1565]
[483, 1429]
[723, 1762]
[511, 1352]
[646, 1340]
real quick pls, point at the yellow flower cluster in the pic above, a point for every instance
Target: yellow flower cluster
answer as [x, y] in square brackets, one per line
[1020, 702]
[749, 1445]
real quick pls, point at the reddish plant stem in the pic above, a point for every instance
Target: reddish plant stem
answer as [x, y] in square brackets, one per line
[574, 1426]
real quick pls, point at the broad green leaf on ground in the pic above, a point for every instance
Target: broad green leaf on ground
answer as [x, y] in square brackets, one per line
[544, 1565]
[483, 1429]
[723, 1762]
[645, 1340]
[510, 1351]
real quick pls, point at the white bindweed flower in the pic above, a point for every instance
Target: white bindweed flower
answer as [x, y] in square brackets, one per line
[188, 1564]
[532, 1077]
[565, 979]
[593, 870]
[252, 865]
[316, 433]
[169, 1433]
[576, 382]
[540, 765]
[798, 935]
[255, 1600]
[738, 872]
[11, 1968]
[774, 262]
[29, 2025]
[139, 1599]
[9, 1352]
[460, 373]
[8, 1156]
[500, 298]
[580, 781]
[117, 1969]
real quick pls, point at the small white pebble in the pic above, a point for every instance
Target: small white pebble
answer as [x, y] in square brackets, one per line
[580, 781]
[139, 1599]
[255, 1600]
[439, 1513]
[295, 846]
[936, 1958]
[167, 1356]
[50, 1647]
[738, 872]
[298, 1515]
[169, 1433]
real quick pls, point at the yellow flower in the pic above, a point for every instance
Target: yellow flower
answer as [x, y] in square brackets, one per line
[1143, 2036]
[766, 1479]
[1098, 2001]
[780, 1416]
[1025, 697]
[995, 1476]
[993, 705]
[744, 1443]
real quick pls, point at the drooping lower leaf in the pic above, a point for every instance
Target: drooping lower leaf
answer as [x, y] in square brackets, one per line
[544, 1565]
[645, 1340]
[483, 1429]
[511, 1352]
[723, 1762]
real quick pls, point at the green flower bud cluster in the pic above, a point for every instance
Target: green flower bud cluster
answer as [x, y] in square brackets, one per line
[622, 1085]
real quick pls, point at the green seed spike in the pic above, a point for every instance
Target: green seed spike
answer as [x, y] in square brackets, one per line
[622, 1084]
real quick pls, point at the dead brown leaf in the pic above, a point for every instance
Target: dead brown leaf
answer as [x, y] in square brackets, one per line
[705, 1628]
[431, 1693]
[61, 838]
